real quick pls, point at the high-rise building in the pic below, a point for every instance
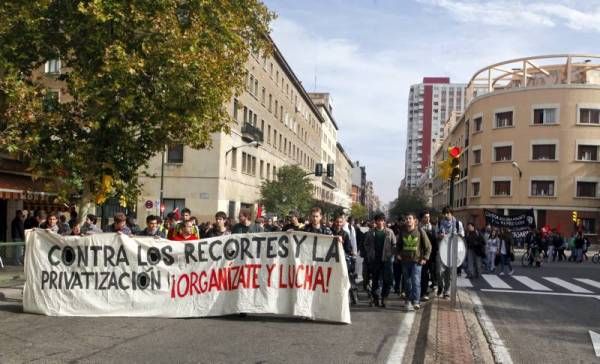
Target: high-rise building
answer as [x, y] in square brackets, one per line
[429, 105]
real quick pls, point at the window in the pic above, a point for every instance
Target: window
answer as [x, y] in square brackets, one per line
[274, 138]
[503, 153]
[173, 203]
[263, 96]
[235, 110]
[244, 162]
[245, 114]
[253, 170]
[542, 188]
[234, 158]
[588, 225]
[501, 188]
[281, 113]
[51, 100]
[269, 134]
[52, 66]
[262, 126]
[268, 171]
[540, 152]
[589, 116]
[276, 107]
[274, 173]
[477, 156]
[175, 153]
[475, 187]
[544, 116]
[587, 189]
[478, 123]
[587, 152]
[270, 102]
[256, 88]
[504, 119]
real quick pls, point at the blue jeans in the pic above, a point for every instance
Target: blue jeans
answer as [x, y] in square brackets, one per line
[411, 273]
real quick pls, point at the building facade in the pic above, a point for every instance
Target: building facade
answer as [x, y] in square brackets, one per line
[533, 141]
[359, 183]
[429, 105]
[275, 123]
[343, 179]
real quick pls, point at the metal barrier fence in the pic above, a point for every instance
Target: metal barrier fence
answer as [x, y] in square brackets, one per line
[6, 244]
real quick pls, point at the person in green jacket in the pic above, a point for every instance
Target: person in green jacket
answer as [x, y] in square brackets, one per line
[413, 251]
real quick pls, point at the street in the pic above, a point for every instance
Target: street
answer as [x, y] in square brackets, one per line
[253, 339]
[544, 315]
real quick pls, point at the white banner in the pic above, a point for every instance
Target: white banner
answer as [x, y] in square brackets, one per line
[295, 273]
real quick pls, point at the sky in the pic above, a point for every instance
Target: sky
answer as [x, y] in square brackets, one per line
[368, 53]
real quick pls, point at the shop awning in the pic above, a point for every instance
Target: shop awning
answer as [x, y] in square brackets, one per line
[20, 187]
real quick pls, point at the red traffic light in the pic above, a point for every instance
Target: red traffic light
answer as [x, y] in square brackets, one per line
[454, 152]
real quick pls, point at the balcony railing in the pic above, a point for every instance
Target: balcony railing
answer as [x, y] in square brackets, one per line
[251, 133]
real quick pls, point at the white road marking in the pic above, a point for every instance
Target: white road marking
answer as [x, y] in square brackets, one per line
[397, 353]
[495, 282]
[589, 282]
[463, 282]
[595, 342]
[498, 348]
[531, 283]
[570, 286]
[541, 293]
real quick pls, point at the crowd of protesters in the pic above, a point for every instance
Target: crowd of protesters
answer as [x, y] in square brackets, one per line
[403, 255]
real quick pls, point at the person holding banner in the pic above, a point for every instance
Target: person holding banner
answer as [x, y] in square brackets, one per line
[152, 228]
[119, 225]
[380, 246]
[187, 233]
[315, 225]
[219, 228]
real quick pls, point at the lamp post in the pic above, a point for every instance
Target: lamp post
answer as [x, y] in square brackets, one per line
[251, 144]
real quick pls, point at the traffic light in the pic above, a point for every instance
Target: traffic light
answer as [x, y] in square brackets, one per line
[454, 155]
[330, 170]
[574, 216]
[318, 169]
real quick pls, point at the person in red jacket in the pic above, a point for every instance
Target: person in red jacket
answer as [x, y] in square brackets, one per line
[186, 233]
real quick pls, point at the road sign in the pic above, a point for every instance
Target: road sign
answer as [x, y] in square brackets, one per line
[149, 204]
[461, 254]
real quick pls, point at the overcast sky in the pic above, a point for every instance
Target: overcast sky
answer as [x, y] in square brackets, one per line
[368, 53]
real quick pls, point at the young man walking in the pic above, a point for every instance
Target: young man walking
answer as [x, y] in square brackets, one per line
[414, 249]
[380, 245]
[446, 226]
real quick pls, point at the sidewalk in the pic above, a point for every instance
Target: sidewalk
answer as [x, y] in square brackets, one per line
[11, 275]
[453, 336]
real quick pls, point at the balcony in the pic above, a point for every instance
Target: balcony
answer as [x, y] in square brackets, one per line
[251, 133]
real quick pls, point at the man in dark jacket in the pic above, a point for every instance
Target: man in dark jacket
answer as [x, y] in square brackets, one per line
[152, 228]
[380, 245]
[429, 271]
[315, 225]
[413, 250]
[17, 232]
[475, 250]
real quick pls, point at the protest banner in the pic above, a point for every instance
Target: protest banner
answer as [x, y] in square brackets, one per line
[518, 225]
[288, 273]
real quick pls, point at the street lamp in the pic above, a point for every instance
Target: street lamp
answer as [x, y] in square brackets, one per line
[516, 166]
[251, 144]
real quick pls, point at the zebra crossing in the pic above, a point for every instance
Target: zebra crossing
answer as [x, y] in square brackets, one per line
[539, 285]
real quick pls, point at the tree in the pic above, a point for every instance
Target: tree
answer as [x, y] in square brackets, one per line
[292, 191]
[409, 200]
[359, 211]
[137, 75]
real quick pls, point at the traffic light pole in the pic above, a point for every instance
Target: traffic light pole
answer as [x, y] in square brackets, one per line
[453, 249]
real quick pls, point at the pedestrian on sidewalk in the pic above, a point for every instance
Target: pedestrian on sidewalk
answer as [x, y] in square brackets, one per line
[413, 251]
[446, 226]
[380, 246]
[506, 252]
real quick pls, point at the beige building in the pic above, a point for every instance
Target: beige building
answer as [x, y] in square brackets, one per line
[343, 178]
[533, 141]
[275, 123]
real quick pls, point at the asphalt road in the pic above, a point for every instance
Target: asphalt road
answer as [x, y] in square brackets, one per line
[541, 319]
[254, 339]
